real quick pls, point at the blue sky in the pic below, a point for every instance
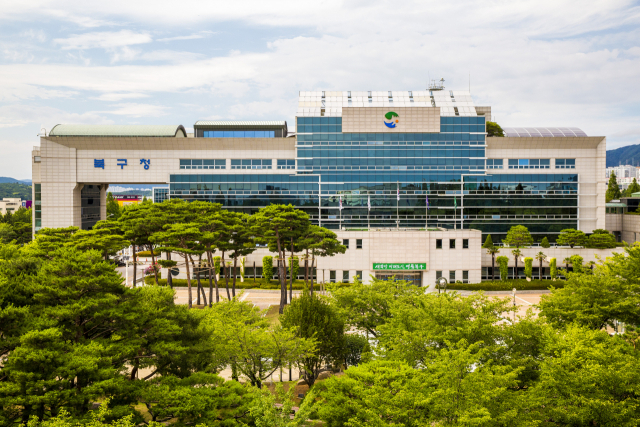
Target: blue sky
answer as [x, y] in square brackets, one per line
[536, 63]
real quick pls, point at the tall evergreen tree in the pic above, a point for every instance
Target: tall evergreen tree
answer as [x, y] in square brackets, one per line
[613, 190]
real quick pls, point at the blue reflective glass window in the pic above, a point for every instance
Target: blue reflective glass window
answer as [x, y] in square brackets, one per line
[523, 162]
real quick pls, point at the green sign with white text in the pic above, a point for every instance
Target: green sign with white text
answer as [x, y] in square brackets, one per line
[399, 266]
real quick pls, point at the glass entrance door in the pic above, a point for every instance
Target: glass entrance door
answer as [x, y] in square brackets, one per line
[413, 277]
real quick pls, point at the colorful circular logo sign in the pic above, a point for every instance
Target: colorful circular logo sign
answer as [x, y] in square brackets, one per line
[391, 119]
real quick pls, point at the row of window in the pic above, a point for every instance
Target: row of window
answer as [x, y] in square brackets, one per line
[479, 120]
[565, 163]
[529, 163]
[251, 163]
[235, 164]
[37, 205]
[392, 137]
[409, 144]
[420, 180]
[338, 128]
[330, 165]
[345, 242]
[452, 243]
[239, 134]
[203, 164]
[286, 164]
[360, 152]
[345, 276]
[452, 276]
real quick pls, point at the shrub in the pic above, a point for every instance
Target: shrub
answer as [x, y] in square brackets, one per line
[294, 266]
[553, 269]
[576, 262]
[528, 267]
[601, 241]
[545, 243]
[571, 237]
[147, 253]
[507, 285]
[503, 262]
[216, 264]
[298, 285]
[518, 236]
[267, 268]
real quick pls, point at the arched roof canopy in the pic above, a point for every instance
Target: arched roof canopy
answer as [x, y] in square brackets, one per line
[170, 131]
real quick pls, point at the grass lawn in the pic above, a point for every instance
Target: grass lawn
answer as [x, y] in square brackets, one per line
[272, 314]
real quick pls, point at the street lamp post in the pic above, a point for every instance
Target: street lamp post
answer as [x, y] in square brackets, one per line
[514, 303]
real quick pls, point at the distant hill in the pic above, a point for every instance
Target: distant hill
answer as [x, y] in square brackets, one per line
[14, 189]
[624, 155]
[6, 179]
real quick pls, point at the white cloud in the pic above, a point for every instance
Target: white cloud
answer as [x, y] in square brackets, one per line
[137, 110]
[539, 62]
[104, 40]
[200, 35]
[171, 56]
[112, 97]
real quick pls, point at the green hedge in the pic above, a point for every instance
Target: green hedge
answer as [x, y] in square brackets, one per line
[248, 283]
[147, 253]
[507, 285]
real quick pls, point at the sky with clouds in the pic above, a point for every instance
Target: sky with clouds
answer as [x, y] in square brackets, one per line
[536, 63]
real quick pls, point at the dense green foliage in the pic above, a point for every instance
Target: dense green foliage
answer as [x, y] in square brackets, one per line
[518, 236]
[72, 335]
[15, 190]
[16, 226]
[494, 129]
[613, 190]
[528, 267]
[553, 269]
[313, 318]
[620, 156]
[571, 237]
[507, 285]
[601, 241]
[267, 268]
[634, 187]
[545, 243]
[503, 262]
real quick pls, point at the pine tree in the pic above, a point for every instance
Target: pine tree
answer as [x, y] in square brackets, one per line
[613, 190]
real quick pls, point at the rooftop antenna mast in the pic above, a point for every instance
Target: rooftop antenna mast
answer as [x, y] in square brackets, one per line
[433, 85]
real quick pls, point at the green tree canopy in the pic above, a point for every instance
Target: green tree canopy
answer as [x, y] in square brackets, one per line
[518, 236]
[494, 129]
[571, 237]
[613, 190]
[313, 318]
[279, 226]
[367, 307]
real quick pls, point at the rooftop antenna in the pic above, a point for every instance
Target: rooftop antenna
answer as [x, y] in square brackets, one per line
[433, 85]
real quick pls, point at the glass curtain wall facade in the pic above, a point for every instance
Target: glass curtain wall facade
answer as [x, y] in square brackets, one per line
[397, 180]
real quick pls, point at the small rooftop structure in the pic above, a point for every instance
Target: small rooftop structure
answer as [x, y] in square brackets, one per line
[172, 131]
[275, 128]
[543, 132]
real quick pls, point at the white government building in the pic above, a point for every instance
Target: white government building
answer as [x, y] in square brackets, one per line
[408, 179]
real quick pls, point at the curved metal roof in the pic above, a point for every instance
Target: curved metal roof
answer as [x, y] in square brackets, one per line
[177, 131]
[234, 123]
[546, 132]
